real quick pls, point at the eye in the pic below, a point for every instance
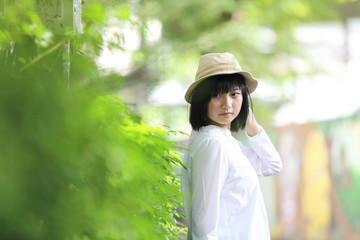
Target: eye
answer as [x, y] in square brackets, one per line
[236, 93]
[216, 95]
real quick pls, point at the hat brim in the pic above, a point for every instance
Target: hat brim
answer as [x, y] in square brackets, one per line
[250, 82]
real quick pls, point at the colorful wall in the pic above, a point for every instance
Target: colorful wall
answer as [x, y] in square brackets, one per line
[318, 191]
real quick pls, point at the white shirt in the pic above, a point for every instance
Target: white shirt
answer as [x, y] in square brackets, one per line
[223, 199]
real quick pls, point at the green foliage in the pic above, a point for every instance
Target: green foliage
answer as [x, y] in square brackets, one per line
[349, 199]
[186, 22]
[76, 163]
[80, 166]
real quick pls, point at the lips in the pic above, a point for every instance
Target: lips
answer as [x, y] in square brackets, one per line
[226, 114]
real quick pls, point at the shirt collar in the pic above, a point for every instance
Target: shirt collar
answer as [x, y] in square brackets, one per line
[210, 127]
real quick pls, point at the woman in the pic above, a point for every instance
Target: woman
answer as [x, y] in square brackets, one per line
[223, 199]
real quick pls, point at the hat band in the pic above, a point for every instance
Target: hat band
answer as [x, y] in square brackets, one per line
[218, 67]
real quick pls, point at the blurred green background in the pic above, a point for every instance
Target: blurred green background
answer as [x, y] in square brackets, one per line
[93, 122]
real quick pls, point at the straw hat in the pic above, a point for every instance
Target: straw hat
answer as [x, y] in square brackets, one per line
[212, 64]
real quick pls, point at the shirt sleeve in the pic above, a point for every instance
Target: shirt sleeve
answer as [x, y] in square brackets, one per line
[210, 168]
[262, 154]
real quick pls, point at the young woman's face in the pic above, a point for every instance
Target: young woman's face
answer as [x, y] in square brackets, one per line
[224, 108]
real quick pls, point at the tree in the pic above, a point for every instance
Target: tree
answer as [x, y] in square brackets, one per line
[76, 163]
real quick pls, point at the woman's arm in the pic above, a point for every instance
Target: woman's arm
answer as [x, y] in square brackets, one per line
[208, 176]
[262, 153]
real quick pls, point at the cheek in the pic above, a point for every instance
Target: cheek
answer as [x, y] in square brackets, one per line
[239, 103]
[213, 105]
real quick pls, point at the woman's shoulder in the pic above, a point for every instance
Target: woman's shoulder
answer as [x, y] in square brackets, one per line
[212, 132]
[209, 136]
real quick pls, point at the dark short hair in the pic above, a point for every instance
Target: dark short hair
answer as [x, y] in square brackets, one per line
[213, 86]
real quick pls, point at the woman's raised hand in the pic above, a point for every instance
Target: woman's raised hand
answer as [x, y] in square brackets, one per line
[252, 127]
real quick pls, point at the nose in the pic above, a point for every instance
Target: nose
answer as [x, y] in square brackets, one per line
[226, 101]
